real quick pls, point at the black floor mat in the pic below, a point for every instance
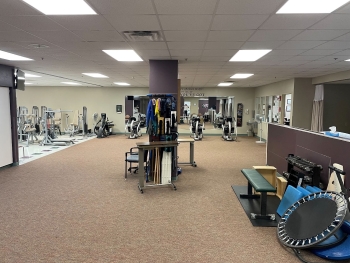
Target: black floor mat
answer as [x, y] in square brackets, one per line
[253, 206]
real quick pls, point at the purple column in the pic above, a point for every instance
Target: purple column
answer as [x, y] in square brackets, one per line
[163, 77]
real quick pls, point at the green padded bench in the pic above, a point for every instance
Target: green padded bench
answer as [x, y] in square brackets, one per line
[261, 185]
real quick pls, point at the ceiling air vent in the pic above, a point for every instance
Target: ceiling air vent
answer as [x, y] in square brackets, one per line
[143, 35]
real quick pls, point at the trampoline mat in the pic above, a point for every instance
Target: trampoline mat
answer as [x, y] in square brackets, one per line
[311, 218]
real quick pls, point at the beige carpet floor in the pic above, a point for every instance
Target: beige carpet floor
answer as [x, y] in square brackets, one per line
[75, 206]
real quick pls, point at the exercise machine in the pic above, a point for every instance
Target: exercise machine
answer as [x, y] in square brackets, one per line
[50, 137]
[103, 126]
[218, 121]
[229, 129]
[196, 128]
[133, 128]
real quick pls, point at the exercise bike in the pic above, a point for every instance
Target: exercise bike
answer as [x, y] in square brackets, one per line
[229, 128]
[102, 127]
[132, 127]
[196, 128]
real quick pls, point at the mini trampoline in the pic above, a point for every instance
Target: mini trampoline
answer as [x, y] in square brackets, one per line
[312, 219]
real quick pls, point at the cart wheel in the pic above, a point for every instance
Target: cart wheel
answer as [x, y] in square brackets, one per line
[195, 165]
[175, 188]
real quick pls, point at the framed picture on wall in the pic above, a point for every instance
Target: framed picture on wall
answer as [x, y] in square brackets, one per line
[119, 108]
[289, 101]
[288, 107]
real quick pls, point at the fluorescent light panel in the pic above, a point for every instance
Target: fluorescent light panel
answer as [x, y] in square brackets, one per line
[31, 75]
[71, 83]
[225, 84]
[348, 59]
[95, 75]
[122, 83]
[311, 6]
[241, 76]
[12, 57]
[62, 7]
[123, 55]
[249, 55]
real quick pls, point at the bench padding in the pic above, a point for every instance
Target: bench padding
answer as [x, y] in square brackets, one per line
[258, 182]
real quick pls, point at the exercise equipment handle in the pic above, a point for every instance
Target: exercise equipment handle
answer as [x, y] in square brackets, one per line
[336, 170]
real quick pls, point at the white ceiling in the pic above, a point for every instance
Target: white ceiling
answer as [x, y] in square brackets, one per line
[202, 34]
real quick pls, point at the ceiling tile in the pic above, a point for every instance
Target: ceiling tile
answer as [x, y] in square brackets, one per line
[93, 45]
[154, 52]
[319, 52]
[200, 35]
[185, 22]
[234, 35]
[287, 52]
[57, 36]
[305, 58]
[10, 46]
[334, 21]
[98, 35]
[320, 34]
[187, 52]
[262, 45]
[134, 22]
[123, 7]
[223, 45]
[335, 45]
[219, 53]
[345, 37]
[252, 7]
[291, 21]
[186, 45]
[29, 23]
[148, 45]
[300, 44]
[19, 36]
[211, 58]
[83, 22]
[198, 7]
[237, 22]
[271, 35]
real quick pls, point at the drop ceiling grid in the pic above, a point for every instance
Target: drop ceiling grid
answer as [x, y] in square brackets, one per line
[203, 31]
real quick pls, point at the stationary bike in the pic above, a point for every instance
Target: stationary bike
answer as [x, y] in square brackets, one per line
[229, 127]
[132, 126]
[196, 128]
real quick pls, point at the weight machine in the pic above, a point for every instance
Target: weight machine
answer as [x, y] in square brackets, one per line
[196, 128]
[132, 126]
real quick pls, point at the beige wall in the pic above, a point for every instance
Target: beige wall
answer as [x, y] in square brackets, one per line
[331, 77]
[278, 88]
[304, 93]
[96, 99]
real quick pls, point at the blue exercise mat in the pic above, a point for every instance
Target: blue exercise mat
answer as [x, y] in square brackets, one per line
[291, 196]
[339, 252]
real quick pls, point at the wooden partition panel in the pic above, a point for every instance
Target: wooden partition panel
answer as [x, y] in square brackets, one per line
[316, 147]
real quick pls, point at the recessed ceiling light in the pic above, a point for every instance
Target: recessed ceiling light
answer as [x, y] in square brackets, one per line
[311, 6]
[95, 75]
[348, 59]
[249, 55]
[71, 83]
[123, 55]
[10, 56]
[225, 84]
[122, 83]
[241, 76]
[31, 75]
[28, 83]
[62, 7]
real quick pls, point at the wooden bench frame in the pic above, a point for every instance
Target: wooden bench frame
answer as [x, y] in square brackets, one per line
[262, 196]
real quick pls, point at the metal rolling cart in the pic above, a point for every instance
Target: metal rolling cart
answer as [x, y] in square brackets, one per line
[142, 146]
[191, 141]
